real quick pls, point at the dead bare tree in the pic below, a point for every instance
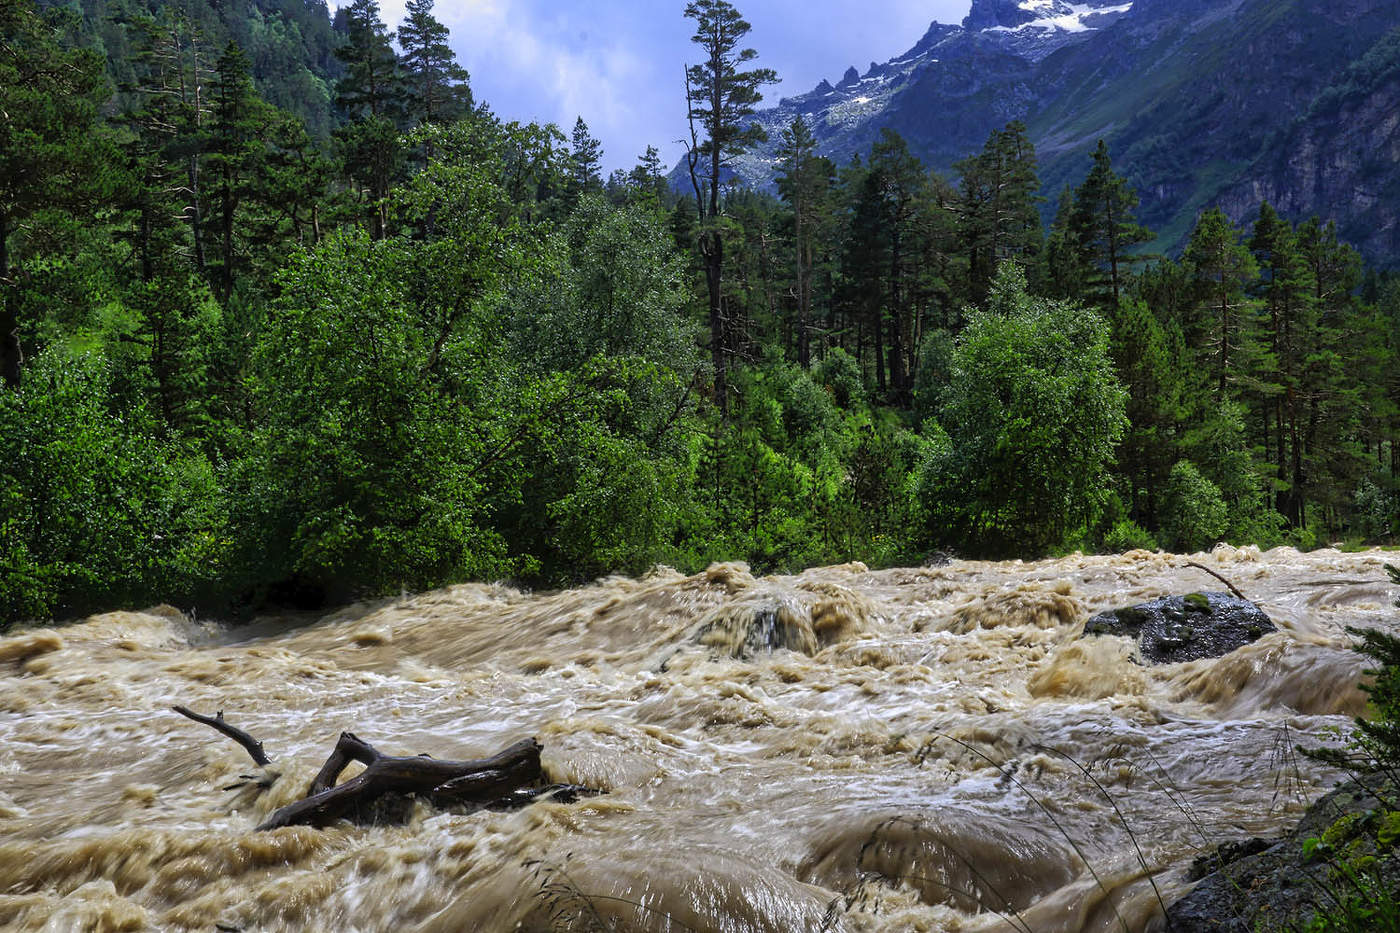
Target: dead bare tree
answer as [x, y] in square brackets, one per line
[511, 777]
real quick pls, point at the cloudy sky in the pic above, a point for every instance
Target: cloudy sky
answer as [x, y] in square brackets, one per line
[618, 62]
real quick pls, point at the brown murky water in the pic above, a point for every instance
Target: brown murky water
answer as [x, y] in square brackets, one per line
[933, 750]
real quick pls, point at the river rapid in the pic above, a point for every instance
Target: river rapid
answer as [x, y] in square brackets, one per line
[927, 749]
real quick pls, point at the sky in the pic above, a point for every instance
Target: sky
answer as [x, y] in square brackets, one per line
[618, 63]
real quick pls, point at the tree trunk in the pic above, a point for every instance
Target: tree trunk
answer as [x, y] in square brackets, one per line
[226, 273]
[719, 348]
[11, 352]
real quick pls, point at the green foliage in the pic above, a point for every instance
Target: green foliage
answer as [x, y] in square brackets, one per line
[1193, 513]
[1365, 902]
[49, 155]
[999, 195]
[1127, 535]
[98, 511]
[1100, 230]
[1033, 412]
[1359, 849]
[438, 87]
[840, 375]
[350, 330]
[363, 472]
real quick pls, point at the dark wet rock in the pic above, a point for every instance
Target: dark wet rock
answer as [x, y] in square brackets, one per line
[1261, 885]
[938, 559]
[1186, 628]
[743, 631]
[806, 622]
[1227, 854]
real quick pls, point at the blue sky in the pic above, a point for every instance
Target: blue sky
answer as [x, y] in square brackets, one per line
[618, 62]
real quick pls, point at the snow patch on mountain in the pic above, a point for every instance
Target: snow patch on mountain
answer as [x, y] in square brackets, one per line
[1054, 15]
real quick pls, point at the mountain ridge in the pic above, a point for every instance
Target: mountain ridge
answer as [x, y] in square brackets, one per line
[1194, 97]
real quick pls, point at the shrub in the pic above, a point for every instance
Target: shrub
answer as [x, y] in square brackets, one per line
[1127, 535]
[840, 374]
[1193, 513]
[1032, 413]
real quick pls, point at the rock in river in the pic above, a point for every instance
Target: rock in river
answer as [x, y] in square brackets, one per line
[1185, 628]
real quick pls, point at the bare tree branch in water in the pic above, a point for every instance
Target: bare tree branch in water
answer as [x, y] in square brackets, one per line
[512, 777]
[253, 746]
[1233, 589]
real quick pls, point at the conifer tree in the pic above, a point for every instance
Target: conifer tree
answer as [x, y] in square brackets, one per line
[370, 94]
[1066, 271]
[48, 101]
[1330, 459]
[899, 182]
[167, 111]
[998, 205]
[805, 180]
[237, 152]
[372, 86]
[720, 96]
[1222, 266]
[1284, 285]
[1150, 359]
[439, 89]
[1103, 227]
[647, 178]
[586, 155]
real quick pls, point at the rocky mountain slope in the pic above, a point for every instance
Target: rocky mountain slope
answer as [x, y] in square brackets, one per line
[1201, 102]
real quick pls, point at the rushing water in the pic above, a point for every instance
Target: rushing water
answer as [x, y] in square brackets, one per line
[933, 749]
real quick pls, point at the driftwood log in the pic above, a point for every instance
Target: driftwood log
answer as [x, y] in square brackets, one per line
[511, 777]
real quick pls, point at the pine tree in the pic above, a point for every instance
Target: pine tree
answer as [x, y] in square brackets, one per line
[647, 179]
[587, 158]
[372, 86]
[1329, 409]
[1000, 219]
[1103, 228]
[1066, 272]
[1150, 359]
[719, 97]
[237, 152]
[1223, 267]
[803, 184]
[168, 114]
[900, 182]
[1287, 292]
[48, 102]
[439, 89]
[370, 94]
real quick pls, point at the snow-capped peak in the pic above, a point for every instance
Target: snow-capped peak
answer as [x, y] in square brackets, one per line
[1060, 15]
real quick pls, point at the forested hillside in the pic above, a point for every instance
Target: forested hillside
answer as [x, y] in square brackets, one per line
[288, 317]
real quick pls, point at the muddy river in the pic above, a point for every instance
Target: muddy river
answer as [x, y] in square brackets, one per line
[927, 749]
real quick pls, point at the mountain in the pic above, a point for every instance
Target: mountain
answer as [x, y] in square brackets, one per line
[1201, 102]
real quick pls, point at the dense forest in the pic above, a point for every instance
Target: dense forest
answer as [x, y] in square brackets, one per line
[289, 317]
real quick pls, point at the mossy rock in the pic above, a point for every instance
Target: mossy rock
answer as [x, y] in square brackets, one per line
[1185, 628]
[1279, 884]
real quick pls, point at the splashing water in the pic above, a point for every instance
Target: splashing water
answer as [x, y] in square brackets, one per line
[929, 749]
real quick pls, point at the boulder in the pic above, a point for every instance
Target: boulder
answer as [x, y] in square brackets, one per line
[1256, 884]
[1185, 628]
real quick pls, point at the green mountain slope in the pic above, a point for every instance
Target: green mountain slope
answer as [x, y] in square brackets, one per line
[290, 43]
